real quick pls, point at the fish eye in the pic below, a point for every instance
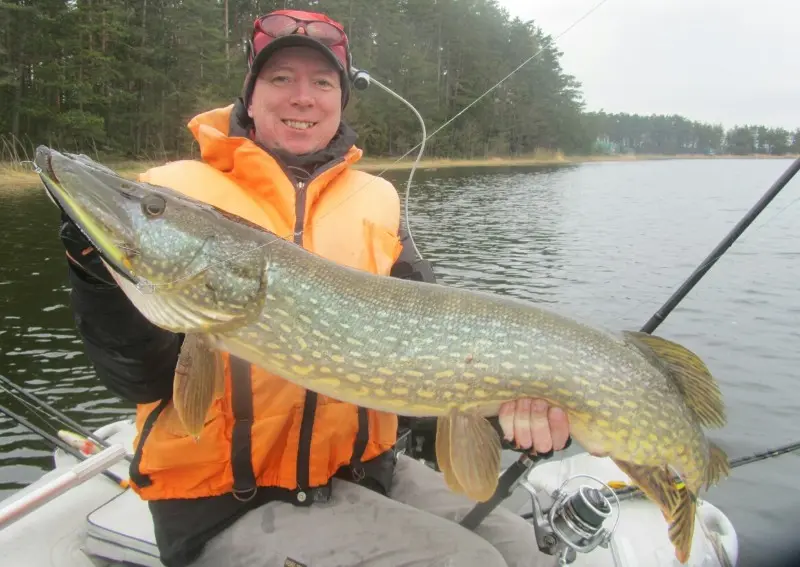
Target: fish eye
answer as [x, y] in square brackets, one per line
[153, 206]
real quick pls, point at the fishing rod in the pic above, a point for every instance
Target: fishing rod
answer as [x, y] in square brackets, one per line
[735, 463]
[59, 443]
[588, 508]
[659, 316]
[86, 468]
[9, 386]
[510, 479]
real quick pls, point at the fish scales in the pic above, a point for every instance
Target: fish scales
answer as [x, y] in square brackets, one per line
[400, 346]
[428, 353]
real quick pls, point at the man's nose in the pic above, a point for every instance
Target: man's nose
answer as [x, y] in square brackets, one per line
[302, 94]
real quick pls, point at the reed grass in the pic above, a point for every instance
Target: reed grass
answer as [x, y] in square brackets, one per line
[17, 172]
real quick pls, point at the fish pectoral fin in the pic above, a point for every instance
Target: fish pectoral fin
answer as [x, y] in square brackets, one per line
[474, 454]
[699, 388]
[678, 505]
[170, 422]
[443, 454]
[198, 375]
[219, 373]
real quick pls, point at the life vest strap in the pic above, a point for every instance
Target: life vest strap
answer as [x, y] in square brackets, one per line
[362, 438]
[244, 480]
[304, 445]
[135, 474]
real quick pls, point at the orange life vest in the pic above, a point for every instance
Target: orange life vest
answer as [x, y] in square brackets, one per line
[350, 217]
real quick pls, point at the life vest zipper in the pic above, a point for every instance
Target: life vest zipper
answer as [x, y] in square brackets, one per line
[310, 403]
[299, 211]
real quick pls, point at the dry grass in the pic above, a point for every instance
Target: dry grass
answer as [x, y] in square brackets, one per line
[18, 174]
[22, 176]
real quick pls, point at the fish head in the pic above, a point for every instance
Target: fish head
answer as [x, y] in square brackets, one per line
[187, 266]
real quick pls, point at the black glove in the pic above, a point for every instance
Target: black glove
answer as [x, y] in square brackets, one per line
[82, 255]
[512, 447]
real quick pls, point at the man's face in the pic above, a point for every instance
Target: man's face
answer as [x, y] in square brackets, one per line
[296, 102]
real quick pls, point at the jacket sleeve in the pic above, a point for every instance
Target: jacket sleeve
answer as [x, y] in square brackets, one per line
[408, 265]
[132, 357]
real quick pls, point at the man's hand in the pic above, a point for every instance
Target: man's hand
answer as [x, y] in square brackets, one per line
[533, 424]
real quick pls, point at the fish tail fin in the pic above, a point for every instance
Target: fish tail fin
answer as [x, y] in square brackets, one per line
[689, 373]
[677, 503]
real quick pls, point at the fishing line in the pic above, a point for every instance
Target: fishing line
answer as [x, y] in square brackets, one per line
[59, 443]
[147, 286]
[714, 257]
[448, 122]
[735, 463]
[511, 475]
[30, 406]
[13, 388]
[632, 490]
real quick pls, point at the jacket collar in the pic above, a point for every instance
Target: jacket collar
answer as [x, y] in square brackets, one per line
[220, 132]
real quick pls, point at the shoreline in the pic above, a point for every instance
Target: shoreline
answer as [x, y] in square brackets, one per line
[18, 176]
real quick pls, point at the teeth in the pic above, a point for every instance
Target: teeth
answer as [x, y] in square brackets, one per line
[298, 125]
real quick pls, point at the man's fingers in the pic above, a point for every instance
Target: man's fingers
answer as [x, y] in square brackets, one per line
[540, 427]
[506, 419]
[522, 423]
[559, 427]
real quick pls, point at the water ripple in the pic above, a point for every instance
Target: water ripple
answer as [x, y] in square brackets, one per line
[606, 242]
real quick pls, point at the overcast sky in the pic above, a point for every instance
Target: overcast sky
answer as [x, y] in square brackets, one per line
[719, 61]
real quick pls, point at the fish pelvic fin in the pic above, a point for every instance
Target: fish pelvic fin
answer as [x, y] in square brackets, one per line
[698, 387]
[678, 505]
[443, 454]
[468, 450]
[718, 465]
[199, 378]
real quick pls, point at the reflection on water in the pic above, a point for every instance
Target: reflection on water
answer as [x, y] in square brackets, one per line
[39, 347]
[606, 242]
[497, 232]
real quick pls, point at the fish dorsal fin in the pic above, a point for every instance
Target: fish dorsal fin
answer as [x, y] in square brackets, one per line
[688, 372]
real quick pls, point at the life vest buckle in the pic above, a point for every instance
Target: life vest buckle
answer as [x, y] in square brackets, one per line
[321, 494]
[248, 492]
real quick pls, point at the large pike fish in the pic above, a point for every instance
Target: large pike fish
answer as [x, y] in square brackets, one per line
[405, 347]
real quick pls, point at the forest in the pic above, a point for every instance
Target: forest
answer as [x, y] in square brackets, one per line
[123, 77]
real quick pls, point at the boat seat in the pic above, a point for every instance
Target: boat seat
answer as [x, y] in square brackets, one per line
[122, 530]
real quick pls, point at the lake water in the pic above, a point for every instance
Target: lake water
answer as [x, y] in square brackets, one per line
[605, 242]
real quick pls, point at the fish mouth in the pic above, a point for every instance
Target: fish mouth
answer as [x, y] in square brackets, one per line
[91, 197]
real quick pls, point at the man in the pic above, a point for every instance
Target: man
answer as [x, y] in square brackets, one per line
[280, 475]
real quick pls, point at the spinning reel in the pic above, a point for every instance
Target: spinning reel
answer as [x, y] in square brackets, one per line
[574, 522]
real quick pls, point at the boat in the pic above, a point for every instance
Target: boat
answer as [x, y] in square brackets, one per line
[72, 517]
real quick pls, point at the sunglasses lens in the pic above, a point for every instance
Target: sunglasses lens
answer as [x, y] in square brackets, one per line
[278, 26]
[324, 32]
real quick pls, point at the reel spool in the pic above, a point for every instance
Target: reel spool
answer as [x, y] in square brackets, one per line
[575, 521]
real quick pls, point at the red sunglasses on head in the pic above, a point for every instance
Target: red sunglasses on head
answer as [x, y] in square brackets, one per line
[283, 23]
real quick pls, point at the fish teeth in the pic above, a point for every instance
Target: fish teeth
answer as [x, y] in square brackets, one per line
[298, 124]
